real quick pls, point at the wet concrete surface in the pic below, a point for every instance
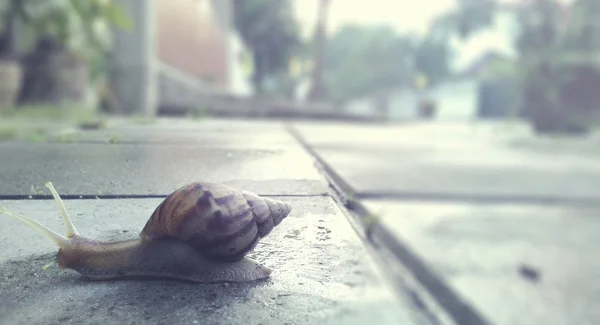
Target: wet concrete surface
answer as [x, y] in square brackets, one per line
[456, 160]
[139, 169]
[209, 132]
[322, 274]
[488, 254]
[516, 264]
[158, 158]
[498, 224]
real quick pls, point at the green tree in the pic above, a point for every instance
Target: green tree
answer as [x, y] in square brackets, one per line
[317, 91]
[270, 30]
[559, 57]
[584, 29]
[363, 59]
[432, 56]
[468, 18]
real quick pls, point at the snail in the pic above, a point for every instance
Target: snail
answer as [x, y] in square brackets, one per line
[201, 233]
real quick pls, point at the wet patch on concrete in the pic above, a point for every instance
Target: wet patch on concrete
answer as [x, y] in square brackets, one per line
[456, 160]
[211, 133]
[322, 274]
[83, 169]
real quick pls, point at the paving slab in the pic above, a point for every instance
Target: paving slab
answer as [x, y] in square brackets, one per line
[456, 160]
[322, 274]
[515, 264]
[205, 132]
[156, 159]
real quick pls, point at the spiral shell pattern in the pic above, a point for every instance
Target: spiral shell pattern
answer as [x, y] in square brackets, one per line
[219, 222]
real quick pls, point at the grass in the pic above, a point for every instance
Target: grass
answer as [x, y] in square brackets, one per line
[71, 113]
[34, 122]
[37, 135]
[198, 113]
[93, 124]
[83, 117]
[143, 120]
[8, 132]
[24, 132]
[66, 138]
[114, 139]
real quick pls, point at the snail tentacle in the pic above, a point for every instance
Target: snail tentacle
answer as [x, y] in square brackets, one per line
[70, 227]
[59, 240]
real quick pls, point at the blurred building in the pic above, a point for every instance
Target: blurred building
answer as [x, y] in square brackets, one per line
[459, 97]
[199, 51]
[198, 37]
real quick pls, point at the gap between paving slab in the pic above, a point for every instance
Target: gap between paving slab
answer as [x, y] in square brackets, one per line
[125, 196]
[476, 198]
[433, 162]
[261, 158]
[429, 290]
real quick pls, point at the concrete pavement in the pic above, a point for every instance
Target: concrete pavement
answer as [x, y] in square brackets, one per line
[129, 159]
[496, 224]
[457, 160]
[513, 263]
[323, 272]
[469, 223]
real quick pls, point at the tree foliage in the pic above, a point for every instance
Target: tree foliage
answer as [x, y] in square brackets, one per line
[468, 18]
[83, 27]
[584, 31]
[270, 30]
[365, 59]
[432, 56]
[559, 59]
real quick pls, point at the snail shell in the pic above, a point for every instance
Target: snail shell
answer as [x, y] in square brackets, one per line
[201, 233]
[218, 222]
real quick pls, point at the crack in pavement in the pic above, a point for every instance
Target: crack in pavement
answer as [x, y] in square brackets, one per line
[478, 198]
[128, 196]
[379, 236]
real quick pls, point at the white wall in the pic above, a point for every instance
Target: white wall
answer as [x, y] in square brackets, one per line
[361, 106]
[457, 100]
[403, 105]
[239, 81]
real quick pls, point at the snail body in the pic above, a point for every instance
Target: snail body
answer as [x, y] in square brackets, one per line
[200, 233]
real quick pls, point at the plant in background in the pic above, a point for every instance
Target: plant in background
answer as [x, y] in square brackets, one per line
[81, 29]
[559, 57]
[559, 52]
[271, 32]
[361, 60]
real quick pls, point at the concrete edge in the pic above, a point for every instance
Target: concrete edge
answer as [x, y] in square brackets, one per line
[481, 198]
[410, 275]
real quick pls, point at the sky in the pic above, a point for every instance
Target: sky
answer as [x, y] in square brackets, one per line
[404, 16]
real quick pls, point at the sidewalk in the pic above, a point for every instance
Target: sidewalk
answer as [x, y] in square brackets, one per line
[112, 180]
[492, 225]
[466, 223]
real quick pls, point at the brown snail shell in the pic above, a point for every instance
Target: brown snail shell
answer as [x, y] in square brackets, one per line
[219, 222]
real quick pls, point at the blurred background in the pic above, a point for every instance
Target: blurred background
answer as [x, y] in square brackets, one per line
[461, 132]
[533, 60]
